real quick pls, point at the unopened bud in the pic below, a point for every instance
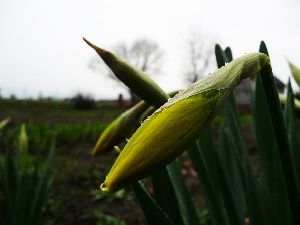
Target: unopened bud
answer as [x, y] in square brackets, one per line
[135, 79]
[119, 129]
[177, 124]
[295, 72]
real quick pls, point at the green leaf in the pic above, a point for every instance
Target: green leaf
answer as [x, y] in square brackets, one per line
[291, 124]
[281, 138]
[203, 157]
[230, 183]
[9, 178]
[152, 212]
[165, 196]
[240, 165]
[42, 190]
[272, 187]
[221, 56]
[186, 206]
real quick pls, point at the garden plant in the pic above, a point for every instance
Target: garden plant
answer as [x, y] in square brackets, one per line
[25, 183]
[160, 128]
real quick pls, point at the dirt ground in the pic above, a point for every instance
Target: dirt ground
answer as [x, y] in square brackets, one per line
[78, 176]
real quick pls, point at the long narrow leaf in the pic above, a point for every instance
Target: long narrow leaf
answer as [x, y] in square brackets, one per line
[230, 183]
[272, 187]
[42, 189]
[9, 175]
[187, 208]
[281, 138]
[291, 125]
[152, 212]
[165, 196]
[240, 153]
[202, 154]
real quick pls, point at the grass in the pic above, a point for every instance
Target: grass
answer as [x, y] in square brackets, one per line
[43, 118]
[56, 111]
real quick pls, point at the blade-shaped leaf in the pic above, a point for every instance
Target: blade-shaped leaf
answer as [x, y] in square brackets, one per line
[231, 189]
[152, 212]
[272, 183]
[281, 138]
[186, 206]
[203, 157]
[165, 196]
[291, 124]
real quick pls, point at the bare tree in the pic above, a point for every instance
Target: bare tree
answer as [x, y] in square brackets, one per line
[143, 53]
[201, 59]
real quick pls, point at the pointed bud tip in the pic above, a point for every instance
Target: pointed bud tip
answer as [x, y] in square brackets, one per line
[104, 188]
[110, 188]
[96, 48]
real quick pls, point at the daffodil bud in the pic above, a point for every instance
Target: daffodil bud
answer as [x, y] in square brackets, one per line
[134, 78]
[23, 140]
[152, 109]
[119, 129]
[23, 148]
[295, 72]
[283, 98]
[3, 123]
[177, 124]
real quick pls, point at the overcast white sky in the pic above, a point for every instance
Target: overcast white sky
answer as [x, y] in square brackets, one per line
[42, 51]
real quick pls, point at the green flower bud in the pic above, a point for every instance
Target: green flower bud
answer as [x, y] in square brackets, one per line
[283, 98]
[23, 148]
[152, 109]
[134, 78]
[119, 129]
[295, 72]
[23, 140]
[178, 123]
[3, 123]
